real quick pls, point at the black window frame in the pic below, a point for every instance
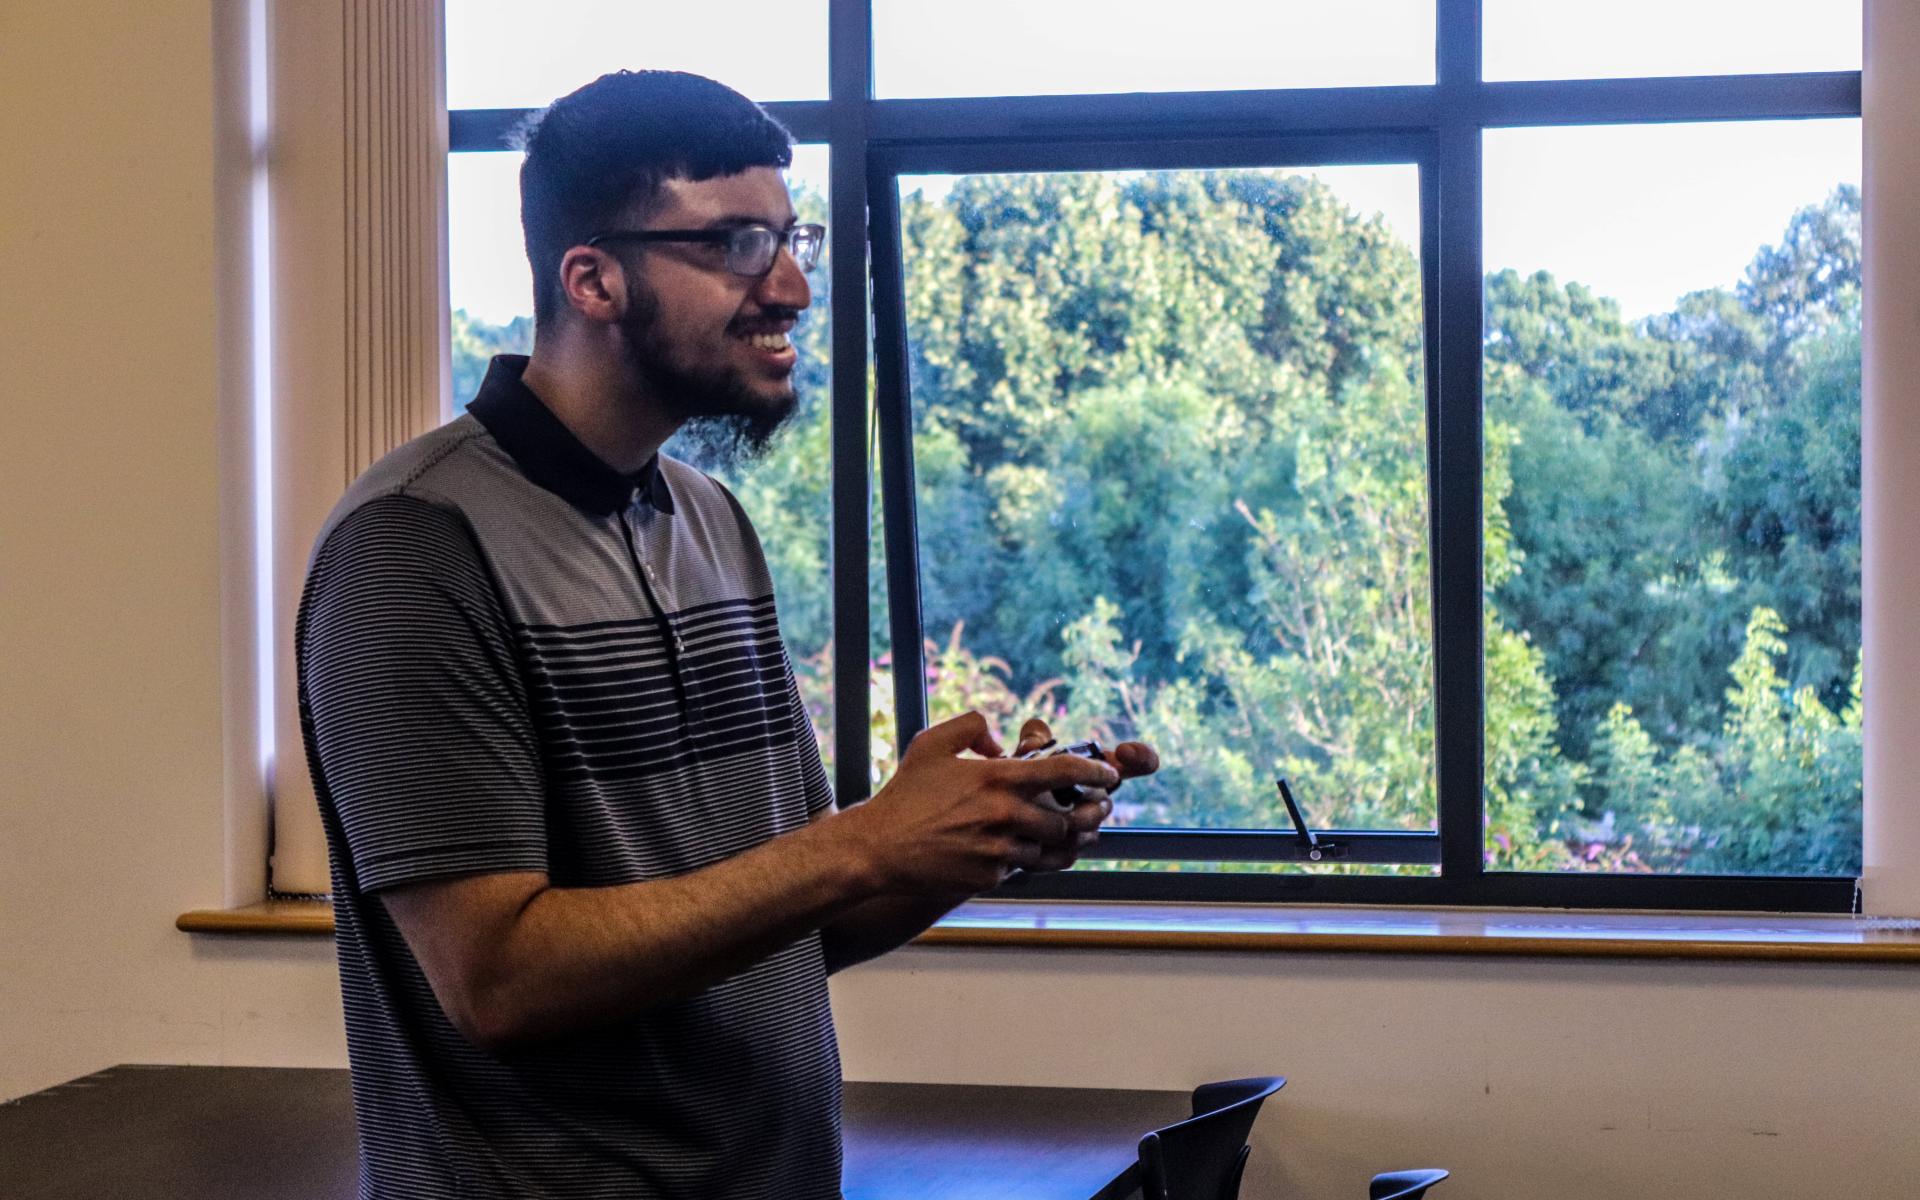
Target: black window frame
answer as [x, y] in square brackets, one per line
[1439, 128]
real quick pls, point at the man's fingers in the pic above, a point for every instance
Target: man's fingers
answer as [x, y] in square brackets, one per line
[1093, 807]
[968, 731]
[1059, 858]
[1054, 860]
[1025, 853]
[1033, 823]
[1135, 759]
[1060, 771]
[1034, 733]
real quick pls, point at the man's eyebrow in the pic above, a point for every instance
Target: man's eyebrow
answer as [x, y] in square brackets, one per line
[738, 220]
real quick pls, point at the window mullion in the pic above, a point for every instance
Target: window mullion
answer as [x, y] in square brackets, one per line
[850, 75]
[1455, 446]
[894, 412]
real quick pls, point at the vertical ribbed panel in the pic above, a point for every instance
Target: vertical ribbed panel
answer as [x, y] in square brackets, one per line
[358, 180]
[1890, 456]
[393, 180]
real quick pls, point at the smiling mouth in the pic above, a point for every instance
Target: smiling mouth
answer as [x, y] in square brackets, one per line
[766, 341]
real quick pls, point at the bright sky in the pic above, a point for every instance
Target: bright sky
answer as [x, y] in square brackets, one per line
[1641, 213]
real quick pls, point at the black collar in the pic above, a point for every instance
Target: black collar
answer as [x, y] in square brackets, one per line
[549, 453]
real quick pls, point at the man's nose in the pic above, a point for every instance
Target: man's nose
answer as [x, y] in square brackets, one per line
[785, 284]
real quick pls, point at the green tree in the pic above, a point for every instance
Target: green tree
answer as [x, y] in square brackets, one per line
[1783, 490]
[1808, 286]
[475, 342]
[1575, 345]
[1171, 461]
[1779, 794]
[1612, 581]
[1655, 506]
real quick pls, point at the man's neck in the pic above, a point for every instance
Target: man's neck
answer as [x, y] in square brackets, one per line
[601, 404]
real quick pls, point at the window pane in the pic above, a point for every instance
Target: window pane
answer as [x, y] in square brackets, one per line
[1171, 458]
[1526, 39]
[1673, 498]
[489, 286]
[785, 491]
[507, 54]
[1018, 48]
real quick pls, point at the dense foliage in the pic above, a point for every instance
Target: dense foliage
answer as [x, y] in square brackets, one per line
[1171, 455]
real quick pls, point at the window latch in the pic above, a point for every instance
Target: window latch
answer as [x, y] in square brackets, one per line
[1315, 847]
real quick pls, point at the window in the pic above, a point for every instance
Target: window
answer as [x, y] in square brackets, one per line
[1529, 40]
[1672, 378]
[505, 54]
[1481, 457]
[1179, 454]
[1080, 46]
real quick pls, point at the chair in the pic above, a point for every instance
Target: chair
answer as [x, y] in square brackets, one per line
[1403, 1185]
[1204, 1156]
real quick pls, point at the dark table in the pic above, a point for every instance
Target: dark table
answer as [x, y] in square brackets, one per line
[259, 1133]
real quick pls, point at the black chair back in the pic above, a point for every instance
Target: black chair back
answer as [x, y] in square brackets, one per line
[1202, 1157]
[1404, 1185]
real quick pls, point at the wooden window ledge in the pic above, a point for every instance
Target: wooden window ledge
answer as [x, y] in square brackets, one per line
[1527, 933]
[266, 917]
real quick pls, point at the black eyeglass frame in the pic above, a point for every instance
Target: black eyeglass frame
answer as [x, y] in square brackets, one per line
[804, 242]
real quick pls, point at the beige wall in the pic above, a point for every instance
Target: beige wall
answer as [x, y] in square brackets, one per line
[1890, 453]
[1597, 1079]
[111, 755]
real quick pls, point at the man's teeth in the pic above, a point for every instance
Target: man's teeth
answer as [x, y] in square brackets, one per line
[767, 341]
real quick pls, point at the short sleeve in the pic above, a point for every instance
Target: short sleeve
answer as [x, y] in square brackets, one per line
[417, 725]
[813, 770]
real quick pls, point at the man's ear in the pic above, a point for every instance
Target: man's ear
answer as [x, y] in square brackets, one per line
[593, 284]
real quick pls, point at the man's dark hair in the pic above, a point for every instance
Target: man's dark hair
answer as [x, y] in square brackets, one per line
[602, 152]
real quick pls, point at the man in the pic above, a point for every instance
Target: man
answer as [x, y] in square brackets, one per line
[588, 877]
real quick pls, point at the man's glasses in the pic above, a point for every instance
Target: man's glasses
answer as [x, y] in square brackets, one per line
[750, 249]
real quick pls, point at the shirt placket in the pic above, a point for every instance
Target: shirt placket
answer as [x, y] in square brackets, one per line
[659, 599]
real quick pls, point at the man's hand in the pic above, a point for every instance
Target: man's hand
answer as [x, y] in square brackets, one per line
[951, 826]
[1091, 806]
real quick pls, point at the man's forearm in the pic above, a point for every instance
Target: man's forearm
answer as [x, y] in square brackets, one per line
[883, 923]
[513, 958]
[574, 958]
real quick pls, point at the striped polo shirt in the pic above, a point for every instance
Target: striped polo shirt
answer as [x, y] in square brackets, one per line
[514, 658]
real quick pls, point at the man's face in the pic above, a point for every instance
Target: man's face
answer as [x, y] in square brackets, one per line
[709, 343]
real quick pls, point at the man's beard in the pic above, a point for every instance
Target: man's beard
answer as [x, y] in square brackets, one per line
[723, 423]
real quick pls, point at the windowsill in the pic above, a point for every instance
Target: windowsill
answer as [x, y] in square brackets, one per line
[266, 917]
[1524, 933]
